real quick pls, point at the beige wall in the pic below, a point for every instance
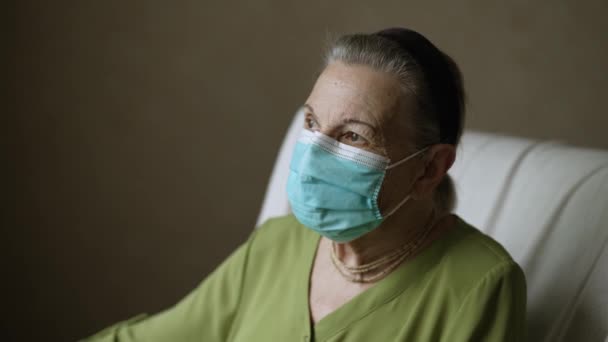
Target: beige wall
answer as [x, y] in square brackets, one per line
[145, 131]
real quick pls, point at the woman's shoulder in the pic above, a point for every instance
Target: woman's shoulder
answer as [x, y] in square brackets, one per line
[469, 257]
[282, 235]
[286, 226]
[470, 242]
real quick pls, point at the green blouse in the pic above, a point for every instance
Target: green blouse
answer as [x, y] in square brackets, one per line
[463, 287]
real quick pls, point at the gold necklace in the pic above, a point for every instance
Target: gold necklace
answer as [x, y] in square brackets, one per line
[390, 261]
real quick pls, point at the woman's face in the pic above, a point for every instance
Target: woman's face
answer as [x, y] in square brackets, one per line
[356, 105]
[359, 106]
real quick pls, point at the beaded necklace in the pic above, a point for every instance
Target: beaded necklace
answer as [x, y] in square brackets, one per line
[386, 264]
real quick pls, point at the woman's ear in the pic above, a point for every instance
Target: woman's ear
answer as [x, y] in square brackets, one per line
[437, 161]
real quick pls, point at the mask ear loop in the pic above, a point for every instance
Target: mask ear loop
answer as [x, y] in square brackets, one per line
[408, 196]
[398, 206]
[406, 159]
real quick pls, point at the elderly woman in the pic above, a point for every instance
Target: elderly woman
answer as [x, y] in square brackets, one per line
[371, 252]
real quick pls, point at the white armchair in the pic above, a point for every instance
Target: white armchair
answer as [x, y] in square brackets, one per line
[545, 202]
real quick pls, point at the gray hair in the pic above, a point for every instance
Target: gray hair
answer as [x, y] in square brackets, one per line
[406, 54]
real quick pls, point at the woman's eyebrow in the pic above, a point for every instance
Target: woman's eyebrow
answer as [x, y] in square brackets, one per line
[355, 121]
[309, 107]
[344, 122]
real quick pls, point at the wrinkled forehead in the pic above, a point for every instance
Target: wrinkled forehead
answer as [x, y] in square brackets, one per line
[359, 92]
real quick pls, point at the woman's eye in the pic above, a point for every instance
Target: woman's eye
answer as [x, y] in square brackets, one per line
[310, 123]
[354, 138]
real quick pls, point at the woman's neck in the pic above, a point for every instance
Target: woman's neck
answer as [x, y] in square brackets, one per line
[404, 226]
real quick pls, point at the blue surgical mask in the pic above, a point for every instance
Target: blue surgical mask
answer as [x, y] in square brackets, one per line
[333, 188]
